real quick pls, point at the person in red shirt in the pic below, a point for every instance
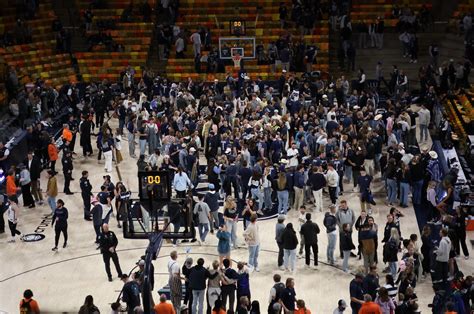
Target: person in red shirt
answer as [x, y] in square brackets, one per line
[164, 307]
[369, 307]
[27, 304]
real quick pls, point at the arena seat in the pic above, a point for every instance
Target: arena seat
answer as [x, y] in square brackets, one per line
[262, 22]
[369, 10]
[135, 39]
[38, 59]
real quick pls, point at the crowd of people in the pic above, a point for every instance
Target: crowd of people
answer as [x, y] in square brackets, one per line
[263, 150]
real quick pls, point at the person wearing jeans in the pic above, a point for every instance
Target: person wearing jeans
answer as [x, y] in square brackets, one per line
[330, 222]
[346, 245]
[391, 190]
[252, 238]
[204, 215]
[197, 284]
[290, 243]
[442, 256]
[317, 182]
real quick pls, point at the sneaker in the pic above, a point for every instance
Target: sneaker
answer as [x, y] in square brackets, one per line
[315, 267]
[110, 279]
[199, 242]
[40, 203]
[64, 245]
[466, 257]
[415, 61]
[282, 267]
[307, 266]
[54, 248]
[250, 267]
[257, 269]
[11, 241]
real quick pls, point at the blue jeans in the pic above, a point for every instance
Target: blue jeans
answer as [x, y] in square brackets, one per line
[348, 172]
[198, 298]
[232, 229]
[345, 262]
[391, 191]
[404, 188]
[267, 198]
[332, 238]
[289, 259]
[253, 255]
[203, 230]
[423, 132]
[258, 195]
[52, 203]
[417, 187]
[393, 268]
[282, 201]
[142, 146]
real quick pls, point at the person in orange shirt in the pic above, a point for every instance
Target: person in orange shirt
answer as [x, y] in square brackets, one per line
[164, 307]
[11, 187]
[53, 154]
[369, 307]
[27, 304]
[301, 308]
[218, 309]
[67, 134]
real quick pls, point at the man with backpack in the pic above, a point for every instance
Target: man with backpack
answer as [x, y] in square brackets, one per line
[27, 304]
[276, 292]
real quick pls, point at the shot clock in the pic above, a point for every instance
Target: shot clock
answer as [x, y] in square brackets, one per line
[237, 28]
[154, 185]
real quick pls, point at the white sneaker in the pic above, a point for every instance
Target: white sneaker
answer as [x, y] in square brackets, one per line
[282, 267]
[250, 267]
[466, 257]
[199, 242]
[307, 266]
[257, 269]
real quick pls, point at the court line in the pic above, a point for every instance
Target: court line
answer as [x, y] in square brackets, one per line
[141, 248]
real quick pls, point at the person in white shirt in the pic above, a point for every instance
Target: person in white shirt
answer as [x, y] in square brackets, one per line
[292, 154]
[332, 178]
[179, 46]
[196, 40]
[341, 307]
[174, 281]
[181, 182]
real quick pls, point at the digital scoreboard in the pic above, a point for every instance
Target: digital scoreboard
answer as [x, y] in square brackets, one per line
[154, 185]
[237, 28]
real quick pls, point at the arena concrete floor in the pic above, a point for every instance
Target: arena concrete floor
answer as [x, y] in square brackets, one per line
[61, 280]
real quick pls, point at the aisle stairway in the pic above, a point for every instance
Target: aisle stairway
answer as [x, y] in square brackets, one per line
[262, 22]
[39, 59]
[134, 37]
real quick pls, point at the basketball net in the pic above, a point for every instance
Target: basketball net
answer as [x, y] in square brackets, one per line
[236, 58]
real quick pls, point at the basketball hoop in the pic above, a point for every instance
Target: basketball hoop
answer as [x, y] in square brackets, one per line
[236, 58]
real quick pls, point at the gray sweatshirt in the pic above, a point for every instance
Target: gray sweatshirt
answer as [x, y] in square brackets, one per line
[345, 217]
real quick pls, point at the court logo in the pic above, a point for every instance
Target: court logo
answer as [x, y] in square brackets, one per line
[33, 237]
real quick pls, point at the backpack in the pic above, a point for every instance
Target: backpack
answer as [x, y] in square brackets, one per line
[25, 307]
[279, 288]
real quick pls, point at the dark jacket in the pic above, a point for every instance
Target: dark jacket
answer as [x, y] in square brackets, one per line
[97, 215]
[317, 181]
[310, 232]
[330, 222]
[346, 241]
[35, 168]
[198, 276]
[61, 215]
[212, 200]
[290, 241]
[107, 240]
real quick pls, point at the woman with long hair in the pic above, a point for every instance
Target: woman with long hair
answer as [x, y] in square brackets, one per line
[89, 307]
[181, 182]
[231, 217]
[290, 243]
[405, 179]
[390, 251]
[282, 192]
[248, 211]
